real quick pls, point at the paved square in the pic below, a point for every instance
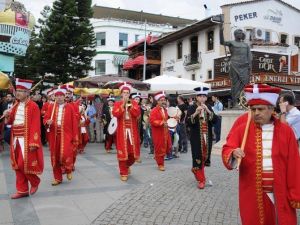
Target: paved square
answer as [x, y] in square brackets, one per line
[97, 196]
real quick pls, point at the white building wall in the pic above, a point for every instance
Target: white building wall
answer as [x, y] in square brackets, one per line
[169, 56]
[270, 15]
[112, 28]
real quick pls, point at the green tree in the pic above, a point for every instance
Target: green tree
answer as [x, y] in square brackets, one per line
[68, 40]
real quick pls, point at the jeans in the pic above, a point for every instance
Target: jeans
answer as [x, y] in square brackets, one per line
[146, 137]
[217, 128]
[182, 137]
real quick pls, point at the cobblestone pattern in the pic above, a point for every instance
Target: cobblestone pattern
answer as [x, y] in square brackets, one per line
[173, 199]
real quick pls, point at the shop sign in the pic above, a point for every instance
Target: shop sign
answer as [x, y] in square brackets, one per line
[259, 78]
[245, 16]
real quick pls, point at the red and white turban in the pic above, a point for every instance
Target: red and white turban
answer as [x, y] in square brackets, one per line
[23, 84]
[159, 95]
[261, 94]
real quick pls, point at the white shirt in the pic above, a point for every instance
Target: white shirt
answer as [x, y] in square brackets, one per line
[20, 120]
[293, 119]
[59, 116]
[267, 140]
[20, 114]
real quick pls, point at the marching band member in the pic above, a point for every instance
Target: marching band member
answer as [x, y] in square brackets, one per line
[25, 148]
[199, 119]
[137, 98]
[160, 133]
[75, 105]
[107, 115]
[84, 136]
[63, 136]
[128, 139]
[269, 172]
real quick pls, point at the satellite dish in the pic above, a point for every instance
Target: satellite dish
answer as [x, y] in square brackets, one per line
[292, 49]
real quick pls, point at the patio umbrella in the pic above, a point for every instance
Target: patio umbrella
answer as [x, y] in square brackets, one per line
[109, 82]
[172, 84]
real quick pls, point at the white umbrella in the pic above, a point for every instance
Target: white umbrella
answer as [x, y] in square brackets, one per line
[173, 84]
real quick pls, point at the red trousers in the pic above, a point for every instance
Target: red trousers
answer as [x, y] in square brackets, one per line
[160, 160]
[83, 142]
[269, 210]
[22, 179]
[109, 140]
[57, 167]
[124, 165]
[199, 173]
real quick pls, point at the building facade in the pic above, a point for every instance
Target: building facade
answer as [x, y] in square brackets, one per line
[116, 29]
[272, 32]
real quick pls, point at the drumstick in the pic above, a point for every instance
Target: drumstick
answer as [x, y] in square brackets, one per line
[239, 160]
[52, 113]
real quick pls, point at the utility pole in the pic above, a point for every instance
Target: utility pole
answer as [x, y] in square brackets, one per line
[145, 55]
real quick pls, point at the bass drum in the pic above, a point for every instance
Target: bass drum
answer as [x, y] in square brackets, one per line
[172, 111]
[112, 127]
[172, 123]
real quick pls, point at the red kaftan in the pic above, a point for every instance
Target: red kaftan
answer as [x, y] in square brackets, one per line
[33, 160]
[69, 136]
[286, 172]
[121, 145]
[160, 133]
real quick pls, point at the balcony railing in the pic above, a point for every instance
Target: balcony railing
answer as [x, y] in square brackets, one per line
[192, 61]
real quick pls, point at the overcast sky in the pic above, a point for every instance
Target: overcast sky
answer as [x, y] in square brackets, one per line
[191, 9]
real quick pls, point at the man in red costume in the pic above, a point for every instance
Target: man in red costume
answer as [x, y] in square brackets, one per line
[63, 136]
[26, 151]
[75, 105]
[128, 139]
[160, 133]
[269, 179]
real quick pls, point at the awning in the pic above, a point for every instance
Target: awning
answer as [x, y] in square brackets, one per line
[128, 64]
[139, 60]
[119, 59]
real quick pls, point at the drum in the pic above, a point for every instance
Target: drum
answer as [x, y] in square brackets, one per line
[179, 113]
[112, 127]
[172, 111]
[172, 123]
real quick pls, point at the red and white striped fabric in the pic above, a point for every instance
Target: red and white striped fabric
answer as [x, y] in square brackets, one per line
[125, 86]
[60, 91]
[261, 94]
[23, 84]
[159, 95]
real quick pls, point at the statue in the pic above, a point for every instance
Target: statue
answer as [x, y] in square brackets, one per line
[240, 63]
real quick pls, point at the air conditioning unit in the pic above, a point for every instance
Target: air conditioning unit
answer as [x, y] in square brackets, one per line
[258, 34]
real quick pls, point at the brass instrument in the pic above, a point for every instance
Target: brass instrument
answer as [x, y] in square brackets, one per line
[128, 104]
[4, 81]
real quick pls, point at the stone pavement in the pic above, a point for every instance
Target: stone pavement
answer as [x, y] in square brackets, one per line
[97, 196]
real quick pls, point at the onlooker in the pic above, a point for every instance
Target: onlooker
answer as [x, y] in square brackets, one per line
[98, 121]
[8, 105]
[181, 126]
[289, 113]
[91, 115]
[217, 108]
